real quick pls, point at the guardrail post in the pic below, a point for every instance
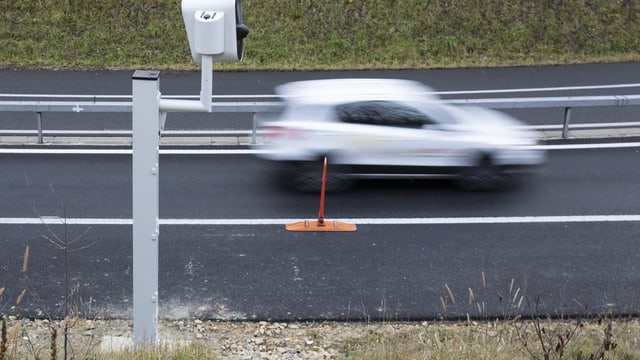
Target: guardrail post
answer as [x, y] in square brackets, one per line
[39, 117]
[146, 193]
[565, 127]
[253, 131]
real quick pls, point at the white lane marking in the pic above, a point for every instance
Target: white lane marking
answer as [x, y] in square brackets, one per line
[586, 146]
[52, 220]
[258, 151]
[129, 151]
[584, 126]
[67, 151]
[560, 88]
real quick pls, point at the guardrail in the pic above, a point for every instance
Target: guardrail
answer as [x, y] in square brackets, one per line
[80, 105]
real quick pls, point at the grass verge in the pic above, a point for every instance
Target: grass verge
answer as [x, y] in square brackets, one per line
[309, 34]
[385, 340]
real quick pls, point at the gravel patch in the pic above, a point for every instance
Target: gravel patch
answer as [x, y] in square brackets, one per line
[228, 340]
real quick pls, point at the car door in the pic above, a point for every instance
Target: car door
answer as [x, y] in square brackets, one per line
[393, 133]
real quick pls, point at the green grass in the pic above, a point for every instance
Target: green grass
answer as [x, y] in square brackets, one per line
[502, 340]
[330, 34]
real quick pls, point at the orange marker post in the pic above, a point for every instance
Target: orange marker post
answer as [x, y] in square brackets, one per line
[321, 224]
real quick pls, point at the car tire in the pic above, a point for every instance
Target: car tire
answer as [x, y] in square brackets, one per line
[485, 176]
[308, 178]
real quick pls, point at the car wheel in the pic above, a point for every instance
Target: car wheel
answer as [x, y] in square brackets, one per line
[308, 178]
[484, 177]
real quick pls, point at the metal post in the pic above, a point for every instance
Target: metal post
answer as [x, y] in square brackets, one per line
[567, 117]
[253, 131]
[39, 117]
[146, 142]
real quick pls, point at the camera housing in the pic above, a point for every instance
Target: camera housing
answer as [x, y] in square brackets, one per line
[215, 27]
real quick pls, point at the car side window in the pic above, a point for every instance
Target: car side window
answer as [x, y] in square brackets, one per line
[382, 113]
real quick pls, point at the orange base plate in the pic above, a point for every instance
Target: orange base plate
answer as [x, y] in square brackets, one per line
[326, 225]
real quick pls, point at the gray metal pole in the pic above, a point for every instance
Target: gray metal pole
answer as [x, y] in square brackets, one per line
[39, 120]
[254, 129]
[565, 125]
[146, 143]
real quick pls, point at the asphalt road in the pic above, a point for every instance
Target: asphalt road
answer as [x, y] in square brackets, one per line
[567, 237]
[255, 269]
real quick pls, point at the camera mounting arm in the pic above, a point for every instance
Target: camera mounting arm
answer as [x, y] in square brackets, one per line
[206, 89]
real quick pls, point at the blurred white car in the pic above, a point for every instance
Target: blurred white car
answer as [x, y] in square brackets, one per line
[380, 128]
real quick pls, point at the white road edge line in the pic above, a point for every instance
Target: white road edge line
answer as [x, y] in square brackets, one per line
[52, 220]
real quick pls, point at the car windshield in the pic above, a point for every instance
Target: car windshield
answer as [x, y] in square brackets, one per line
[439, 112]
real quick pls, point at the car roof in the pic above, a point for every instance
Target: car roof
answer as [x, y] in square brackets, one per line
[349, 90]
